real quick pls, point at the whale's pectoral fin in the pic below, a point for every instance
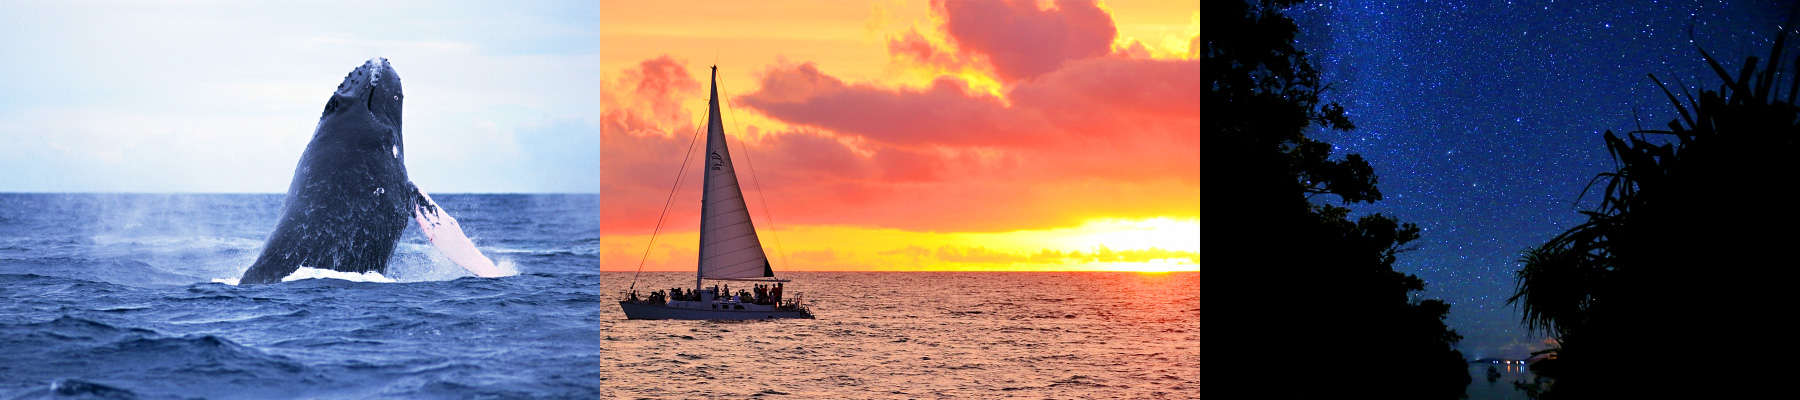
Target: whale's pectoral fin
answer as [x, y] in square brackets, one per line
[448, 236]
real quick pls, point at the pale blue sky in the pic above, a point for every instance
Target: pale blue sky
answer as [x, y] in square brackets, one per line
[205, 96]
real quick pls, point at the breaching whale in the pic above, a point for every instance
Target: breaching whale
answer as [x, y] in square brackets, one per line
[350, 198]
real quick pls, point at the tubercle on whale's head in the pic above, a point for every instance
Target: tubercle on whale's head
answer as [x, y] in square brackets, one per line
[374, 87]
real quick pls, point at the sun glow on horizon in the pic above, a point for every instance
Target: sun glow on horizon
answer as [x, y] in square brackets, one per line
[1127, 234]
[1160, 244]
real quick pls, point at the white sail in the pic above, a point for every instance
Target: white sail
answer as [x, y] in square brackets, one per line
[728, 244]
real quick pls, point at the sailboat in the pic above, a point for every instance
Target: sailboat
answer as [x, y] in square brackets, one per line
[729, 250]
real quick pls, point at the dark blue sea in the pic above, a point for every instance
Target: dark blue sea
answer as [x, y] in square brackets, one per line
[113, 296]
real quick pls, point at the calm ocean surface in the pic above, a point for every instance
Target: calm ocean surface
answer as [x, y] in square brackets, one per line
[111, 296]
[975, 335]
[1500, 387]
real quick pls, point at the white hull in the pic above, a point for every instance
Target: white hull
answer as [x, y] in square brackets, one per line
[650, 311]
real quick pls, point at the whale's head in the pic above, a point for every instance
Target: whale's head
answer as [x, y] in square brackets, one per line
[366, 107]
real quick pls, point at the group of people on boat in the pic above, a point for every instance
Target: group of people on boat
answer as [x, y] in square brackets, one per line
[762, 294]
[759, 294]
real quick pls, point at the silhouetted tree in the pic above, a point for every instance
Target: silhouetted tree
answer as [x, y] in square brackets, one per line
[1687, 260]
[1320, 288]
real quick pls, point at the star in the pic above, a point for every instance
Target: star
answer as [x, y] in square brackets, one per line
[1423, 78]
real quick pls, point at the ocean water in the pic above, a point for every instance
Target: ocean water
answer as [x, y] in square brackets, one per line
[1499, 387]
[922, 335]
[112, 296]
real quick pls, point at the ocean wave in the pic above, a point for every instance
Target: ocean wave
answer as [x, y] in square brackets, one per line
[968, 336]
[112, 296]
[70, 351]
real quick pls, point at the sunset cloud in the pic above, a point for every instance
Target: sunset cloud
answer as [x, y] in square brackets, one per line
[947, 113]
[914, 48]
[661, 83]
[1084, 119]
[1023, 40]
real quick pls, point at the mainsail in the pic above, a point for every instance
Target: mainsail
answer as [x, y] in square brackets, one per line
[729, 248]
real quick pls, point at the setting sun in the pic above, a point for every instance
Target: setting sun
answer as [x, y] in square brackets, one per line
[1122, 234]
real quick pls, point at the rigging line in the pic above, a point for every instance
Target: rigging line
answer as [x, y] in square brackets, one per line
[758, 181]
[679, 173]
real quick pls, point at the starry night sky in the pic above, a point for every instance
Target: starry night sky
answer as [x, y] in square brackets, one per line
[1483, 120]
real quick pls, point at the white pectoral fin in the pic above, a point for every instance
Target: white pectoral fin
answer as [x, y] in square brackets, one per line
[448, 236]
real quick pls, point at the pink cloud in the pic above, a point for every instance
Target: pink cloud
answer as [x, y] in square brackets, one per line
[1105, 116]
[948, 112]
[635, 161]
[660, 84]
[912, 48]
[796, 156]
[1023, 41]
[902, 165]
[642, 139]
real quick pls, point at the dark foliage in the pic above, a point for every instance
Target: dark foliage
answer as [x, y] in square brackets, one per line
[1309, 293]
[1686, 262]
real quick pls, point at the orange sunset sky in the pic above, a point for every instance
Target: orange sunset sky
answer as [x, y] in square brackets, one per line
[911, 135]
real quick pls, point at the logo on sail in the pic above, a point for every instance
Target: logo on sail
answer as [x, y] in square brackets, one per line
[718, 162]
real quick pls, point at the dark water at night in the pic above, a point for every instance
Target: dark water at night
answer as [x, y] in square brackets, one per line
[976, 335]
[112, 296]
[1501, 386]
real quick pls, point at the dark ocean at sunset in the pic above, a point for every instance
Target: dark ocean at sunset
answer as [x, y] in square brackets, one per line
[112, 296]
[921, 335]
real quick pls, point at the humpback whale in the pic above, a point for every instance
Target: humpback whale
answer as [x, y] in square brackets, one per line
[350, 198]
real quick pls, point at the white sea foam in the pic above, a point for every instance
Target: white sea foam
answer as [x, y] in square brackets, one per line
[507, 267]
[316, 273]
[313, 273]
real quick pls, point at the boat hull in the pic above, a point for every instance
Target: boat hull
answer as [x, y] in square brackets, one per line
[646, 311]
